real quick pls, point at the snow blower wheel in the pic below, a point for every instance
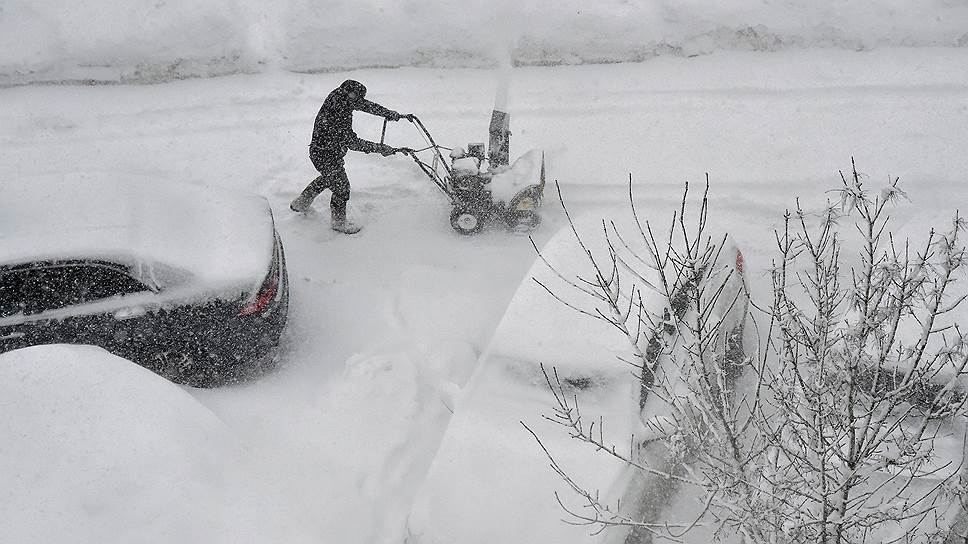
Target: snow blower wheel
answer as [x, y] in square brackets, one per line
[467, 220]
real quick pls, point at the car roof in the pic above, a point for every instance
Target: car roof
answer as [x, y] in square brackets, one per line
[212, 236]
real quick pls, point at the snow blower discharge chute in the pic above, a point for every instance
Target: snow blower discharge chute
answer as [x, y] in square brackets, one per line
[484, 188]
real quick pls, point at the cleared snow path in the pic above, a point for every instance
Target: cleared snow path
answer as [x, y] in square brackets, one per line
[386, 326]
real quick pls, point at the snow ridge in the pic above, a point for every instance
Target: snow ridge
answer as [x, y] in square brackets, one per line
[146, 41]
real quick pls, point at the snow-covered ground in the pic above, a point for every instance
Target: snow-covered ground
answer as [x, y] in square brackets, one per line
[387, 326]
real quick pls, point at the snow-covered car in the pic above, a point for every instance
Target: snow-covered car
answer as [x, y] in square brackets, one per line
[186, 280]
[106, 451]
[490, 467]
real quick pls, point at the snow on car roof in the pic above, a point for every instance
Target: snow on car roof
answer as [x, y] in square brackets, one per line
[219, 238]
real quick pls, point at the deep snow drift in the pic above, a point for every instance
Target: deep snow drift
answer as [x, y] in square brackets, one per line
[149, 40]
[387, 327]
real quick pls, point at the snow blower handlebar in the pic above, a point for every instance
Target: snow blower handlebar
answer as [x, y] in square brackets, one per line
[438, 162]
[383, 136]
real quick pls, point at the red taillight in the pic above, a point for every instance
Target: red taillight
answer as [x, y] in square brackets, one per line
[262, 300]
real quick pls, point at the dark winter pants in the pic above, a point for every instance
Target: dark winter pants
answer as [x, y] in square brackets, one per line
[332, 175]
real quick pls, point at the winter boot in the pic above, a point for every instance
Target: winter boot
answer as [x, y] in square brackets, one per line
[340, 223]
[304, 201]
[301, 204]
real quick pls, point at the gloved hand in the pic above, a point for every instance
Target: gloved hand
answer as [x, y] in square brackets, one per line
[405, 150]
[409, 116]
[386, 150]
[393, 116]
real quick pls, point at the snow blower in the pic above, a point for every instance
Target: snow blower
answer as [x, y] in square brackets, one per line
[511, 194]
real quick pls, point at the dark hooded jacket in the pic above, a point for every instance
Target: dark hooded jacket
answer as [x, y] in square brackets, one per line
[333, 129]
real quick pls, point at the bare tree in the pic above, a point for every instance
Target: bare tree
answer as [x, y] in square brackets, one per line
[686, 354]
[865, 374]
[849, 377]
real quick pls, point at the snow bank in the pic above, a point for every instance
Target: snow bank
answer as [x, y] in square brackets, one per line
[149, 40]
[98, 449]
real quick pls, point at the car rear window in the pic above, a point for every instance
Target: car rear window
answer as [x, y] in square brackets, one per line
[37, 289]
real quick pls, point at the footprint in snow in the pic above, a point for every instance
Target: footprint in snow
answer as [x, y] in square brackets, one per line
[368, 366]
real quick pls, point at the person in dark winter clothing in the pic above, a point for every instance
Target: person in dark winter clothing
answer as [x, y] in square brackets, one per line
[332, 136]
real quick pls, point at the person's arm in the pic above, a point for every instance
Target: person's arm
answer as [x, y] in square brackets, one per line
[366, 146]
[375, 109]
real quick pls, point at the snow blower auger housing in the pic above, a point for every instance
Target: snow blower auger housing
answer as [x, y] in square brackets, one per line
[511, 194]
